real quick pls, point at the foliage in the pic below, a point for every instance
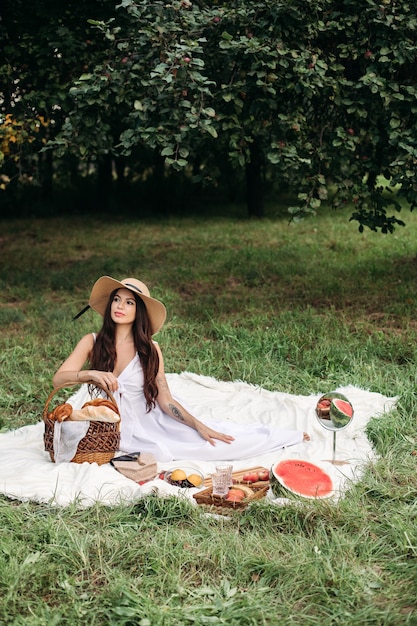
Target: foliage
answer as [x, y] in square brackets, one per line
[16, 139]
[45, 49]
[317, 95]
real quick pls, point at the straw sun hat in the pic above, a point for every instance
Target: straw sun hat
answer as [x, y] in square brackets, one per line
[103, 287]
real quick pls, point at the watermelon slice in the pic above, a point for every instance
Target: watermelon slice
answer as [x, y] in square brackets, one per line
[341, 412]
[302, 478]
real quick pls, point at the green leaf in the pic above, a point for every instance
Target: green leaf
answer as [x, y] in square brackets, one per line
[394, 122]
[211, 131]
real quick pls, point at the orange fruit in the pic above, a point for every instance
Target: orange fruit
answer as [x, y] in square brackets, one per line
[195, 479]
[178, 474]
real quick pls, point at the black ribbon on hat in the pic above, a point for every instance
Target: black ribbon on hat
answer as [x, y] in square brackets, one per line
[128, 285]
[81, 312]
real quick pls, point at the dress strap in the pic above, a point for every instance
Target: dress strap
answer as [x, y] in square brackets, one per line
[94, 337]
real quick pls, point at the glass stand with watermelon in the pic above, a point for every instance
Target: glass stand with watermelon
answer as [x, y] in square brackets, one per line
[334, 412]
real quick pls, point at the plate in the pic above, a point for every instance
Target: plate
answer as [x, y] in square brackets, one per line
[184, 472]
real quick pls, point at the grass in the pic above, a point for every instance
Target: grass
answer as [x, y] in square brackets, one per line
[300, 308]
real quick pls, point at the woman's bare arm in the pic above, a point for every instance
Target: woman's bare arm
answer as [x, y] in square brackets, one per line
[71, 370]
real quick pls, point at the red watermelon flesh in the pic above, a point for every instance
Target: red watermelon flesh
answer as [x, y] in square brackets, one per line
[344, 407]
[304, 478]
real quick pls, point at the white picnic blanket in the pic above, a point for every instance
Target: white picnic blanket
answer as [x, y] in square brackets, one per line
[27, 473]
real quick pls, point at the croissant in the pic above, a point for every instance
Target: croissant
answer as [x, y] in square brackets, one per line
[61, 412]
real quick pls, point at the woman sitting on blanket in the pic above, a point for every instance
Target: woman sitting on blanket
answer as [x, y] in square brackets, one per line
[124, 359]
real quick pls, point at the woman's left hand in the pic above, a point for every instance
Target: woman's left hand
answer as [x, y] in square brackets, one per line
[210, 435]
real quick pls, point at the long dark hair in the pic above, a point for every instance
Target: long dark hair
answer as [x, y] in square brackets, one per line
[103, 354]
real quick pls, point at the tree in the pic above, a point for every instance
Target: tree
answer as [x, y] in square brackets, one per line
[148, 91]
[191, 75]
[361, 126]
[45, 49]
[317, 93]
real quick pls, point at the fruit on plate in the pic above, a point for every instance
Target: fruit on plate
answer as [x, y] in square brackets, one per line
[235, 495]
[181, 478]
[250, 477]
[177, 475]
[194, 479]
[253, 476]
[232, 497]
[239, 493]
[341, 412]
[263, 474]
[246, 490]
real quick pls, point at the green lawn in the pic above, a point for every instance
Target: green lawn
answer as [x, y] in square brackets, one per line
[296, 307]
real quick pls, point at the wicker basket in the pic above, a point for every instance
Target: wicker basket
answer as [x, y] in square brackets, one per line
[100, 443]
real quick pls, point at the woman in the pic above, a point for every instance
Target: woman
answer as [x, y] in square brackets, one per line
[124, 359]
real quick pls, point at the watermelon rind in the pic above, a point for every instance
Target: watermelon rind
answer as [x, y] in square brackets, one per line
[277, 487]
[333, 394]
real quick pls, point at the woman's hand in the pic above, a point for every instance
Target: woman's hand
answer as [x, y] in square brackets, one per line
[106, 380]
[210, 435]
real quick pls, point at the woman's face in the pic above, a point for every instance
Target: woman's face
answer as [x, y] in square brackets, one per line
[123, 307]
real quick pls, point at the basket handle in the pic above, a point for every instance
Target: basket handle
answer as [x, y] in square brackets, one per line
[54, 391]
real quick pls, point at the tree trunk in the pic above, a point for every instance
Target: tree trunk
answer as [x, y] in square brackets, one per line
[159, 196]
[46, 173]
[254, 182]
[120, 165]
[104, 181]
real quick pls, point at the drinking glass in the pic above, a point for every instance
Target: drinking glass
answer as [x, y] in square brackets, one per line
[220, 482]
[227, 470]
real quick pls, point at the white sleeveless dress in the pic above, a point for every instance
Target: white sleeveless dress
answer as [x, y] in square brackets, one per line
[169, 440]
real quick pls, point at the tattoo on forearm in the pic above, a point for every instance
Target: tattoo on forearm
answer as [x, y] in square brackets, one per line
[176, 412]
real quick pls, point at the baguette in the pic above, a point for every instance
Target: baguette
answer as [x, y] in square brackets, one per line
[95, 414]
